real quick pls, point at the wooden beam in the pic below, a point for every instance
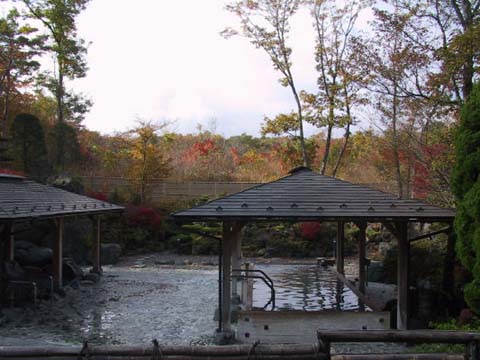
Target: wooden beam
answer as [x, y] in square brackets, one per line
[429, 235]
[58, 255]
[96, 246]
[340, 249]
[402, 275]
[362, 276]
[362, 297]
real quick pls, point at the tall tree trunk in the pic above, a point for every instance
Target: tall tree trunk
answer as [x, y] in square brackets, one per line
[396, 154]
[331, 122]
[6, 105]
[60, 119]
[300, 122]
[327, 149]
[342, 151]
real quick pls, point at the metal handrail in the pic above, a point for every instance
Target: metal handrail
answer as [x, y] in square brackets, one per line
[265, 278]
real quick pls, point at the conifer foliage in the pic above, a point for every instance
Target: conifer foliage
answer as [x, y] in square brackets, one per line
[466, 187]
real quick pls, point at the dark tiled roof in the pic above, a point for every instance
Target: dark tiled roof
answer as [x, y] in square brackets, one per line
[22, 199]
[308, 195]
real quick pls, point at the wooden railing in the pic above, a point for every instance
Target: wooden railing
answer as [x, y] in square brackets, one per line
[470, 340]
[158, 352]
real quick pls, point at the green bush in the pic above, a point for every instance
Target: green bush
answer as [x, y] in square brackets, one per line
[452, 324]
[466, 187]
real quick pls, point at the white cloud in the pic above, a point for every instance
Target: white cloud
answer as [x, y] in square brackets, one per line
[166, 59]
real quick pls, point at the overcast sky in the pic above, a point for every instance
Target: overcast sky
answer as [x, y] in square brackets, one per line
[159, 59]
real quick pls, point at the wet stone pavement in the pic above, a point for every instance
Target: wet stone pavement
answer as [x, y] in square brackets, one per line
[168, 298]
[129, 305]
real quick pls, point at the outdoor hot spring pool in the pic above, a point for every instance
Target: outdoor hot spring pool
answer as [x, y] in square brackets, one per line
[304, 287]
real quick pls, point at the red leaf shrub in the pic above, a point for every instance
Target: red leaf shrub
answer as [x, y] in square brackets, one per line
[97, 195]
[310, 229]
[11, 172]
[143, 216]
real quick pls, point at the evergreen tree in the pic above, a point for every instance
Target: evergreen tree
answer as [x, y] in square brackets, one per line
[466, 186]
[29, 149]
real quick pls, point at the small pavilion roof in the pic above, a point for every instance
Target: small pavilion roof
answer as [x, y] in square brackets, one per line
[23, 199]
[306, 195]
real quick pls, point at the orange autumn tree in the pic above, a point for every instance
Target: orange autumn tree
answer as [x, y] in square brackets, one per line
[146, 155]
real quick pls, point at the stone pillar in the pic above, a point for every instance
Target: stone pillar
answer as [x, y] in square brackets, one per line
[58, 255]
[402, 275]
[96, 263]
[340, 247]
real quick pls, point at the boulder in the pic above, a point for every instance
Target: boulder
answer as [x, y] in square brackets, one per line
[91, 277]
[110, 253]
[75, 240]
[376, 272]
[29, 254]
[71, 271]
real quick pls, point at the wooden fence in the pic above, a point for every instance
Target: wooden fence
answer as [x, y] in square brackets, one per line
[161, 189]
[164, 189]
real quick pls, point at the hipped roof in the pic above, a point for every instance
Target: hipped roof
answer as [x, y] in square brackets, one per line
[306, 195]
[23, 199]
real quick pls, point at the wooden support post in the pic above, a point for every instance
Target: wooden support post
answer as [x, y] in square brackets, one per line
[448, 271]
[231, 233]
[10, 242]
[96, 263]
[58, 255]
[340, 247]
[361, 257]
[236, 256]
[226, 275]
[402, 275]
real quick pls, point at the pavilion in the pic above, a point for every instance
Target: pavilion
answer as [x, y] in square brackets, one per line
[26, 201]
[304, 195]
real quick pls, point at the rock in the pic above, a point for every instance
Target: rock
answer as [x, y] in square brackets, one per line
[71, 270]
[165, 262]
[91, 277]
[87, 282]
[75, 240]
[110, 253]
[383, 248]
[376, 272]
[29, 254]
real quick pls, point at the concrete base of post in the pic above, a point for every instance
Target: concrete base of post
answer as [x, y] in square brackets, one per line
[224, 337]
